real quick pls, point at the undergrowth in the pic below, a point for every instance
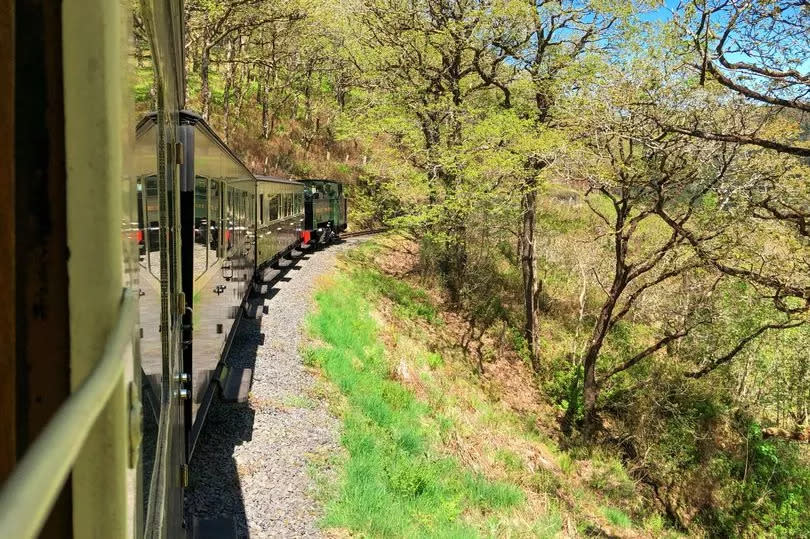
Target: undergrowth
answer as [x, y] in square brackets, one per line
[432, 450]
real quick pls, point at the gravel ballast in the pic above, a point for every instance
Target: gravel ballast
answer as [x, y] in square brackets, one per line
[252, 460]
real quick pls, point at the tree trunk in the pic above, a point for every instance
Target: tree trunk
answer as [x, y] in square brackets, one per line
[456, 255]
[528, 266]
[153, 95]
[241, 88]
[229, 85]
[308, 95]
[205, 91]
[226, 107]
[590, 388]
[266, 129]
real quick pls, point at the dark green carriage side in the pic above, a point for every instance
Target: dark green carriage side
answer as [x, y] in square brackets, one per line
[279, 219]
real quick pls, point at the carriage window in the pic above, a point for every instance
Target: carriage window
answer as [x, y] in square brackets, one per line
[272, 207]
[141, 219]
[237, 218]
[214, 219]
[231, 221]
[200, 226]
[151, 231]
[261, 208]
[245, 210]
[242, 216]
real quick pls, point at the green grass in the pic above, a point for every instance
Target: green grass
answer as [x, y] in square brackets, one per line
[548, 525]
[409, 302]
[566, 463]
[434, 360]
[394, 482]
[617, 517]
[142, 87]
[510, 460]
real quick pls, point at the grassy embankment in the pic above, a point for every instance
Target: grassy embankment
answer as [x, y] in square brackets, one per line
[433, 449]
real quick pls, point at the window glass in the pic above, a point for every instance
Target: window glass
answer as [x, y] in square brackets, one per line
[142, 252]
[200, 226]
[231, 230]
[152, 226]
[261, 208]
[242, 216]
[272, 207]
[245, 214]
[214, 218]
[237, 217]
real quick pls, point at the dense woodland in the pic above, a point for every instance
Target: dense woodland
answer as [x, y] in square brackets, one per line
[623, 187]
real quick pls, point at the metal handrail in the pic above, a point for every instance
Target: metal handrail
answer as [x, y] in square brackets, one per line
[30, 492]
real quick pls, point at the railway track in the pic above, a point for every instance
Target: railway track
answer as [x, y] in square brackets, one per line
[369, 232]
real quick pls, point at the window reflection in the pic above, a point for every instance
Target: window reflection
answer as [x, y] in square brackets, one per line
[261, 209]
[151, 226]
[272, 208]
[231, 218]
[200, 226]
[214, 218]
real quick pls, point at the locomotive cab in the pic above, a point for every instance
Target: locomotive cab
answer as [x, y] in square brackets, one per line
[325, 210]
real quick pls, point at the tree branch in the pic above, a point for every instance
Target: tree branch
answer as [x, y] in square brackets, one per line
[740, 346]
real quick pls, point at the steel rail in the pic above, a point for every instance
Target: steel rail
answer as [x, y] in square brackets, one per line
[30, 492]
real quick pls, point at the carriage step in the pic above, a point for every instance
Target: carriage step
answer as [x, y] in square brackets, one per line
[214, 528]
[253, 310]
[236, 384]
[260, 289]
[283, 263]
[269, 274]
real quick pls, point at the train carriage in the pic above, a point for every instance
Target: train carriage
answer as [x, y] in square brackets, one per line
[280, 218]
[217, 202]
[217, 194]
